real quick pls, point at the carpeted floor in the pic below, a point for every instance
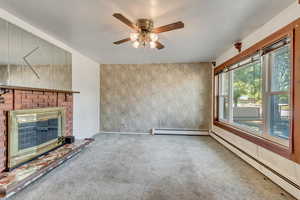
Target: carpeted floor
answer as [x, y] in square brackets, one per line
[143, 167]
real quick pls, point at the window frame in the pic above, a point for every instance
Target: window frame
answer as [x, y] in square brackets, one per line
[268, 93]
[230, 96]
[291, 152]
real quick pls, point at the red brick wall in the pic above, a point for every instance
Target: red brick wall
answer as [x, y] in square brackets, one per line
[21, 99]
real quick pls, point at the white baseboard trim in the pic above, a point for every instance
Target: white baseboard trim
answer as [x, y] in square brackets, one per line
[180, 132]
[125, 133]
[283, 182]
[187, 132]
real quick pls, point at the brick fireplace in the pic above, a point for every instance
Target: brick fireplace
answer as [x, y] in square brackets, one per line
[20, 98]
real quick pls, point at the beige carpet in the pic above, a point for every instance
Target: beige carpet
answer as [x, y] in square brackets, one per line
[142, 167]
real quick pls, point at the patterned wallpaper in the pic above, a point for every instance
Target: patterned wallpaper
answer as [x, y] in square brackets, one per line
[137, 98]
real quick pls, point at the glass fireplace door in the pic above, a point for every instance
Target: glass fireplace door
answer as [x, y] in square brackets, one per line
[34, 132]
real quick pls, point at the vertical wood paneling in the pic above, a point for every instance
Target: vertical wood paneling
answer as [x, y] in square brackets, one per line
[52, 64]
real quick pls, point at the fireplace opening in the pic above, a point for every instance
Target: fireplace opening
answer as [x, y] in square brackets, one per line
[33, 132]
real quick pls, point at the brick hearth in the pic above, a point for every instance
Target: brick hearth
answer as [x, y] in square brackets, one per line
[19, 99]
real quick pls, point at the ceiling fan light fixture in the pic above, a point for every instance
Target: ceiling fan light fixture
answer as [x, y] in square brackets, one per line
[153, 37]
[152, 45]
[136, 44]
[144, 33]
[134, 36]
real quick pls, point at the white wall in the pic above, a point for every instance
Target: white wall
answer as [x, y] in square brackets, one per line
[279, 21]
[280, 164]
[86, 80]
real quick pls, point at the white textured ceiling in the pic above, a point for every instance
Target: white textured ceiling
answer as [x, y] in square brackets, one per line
[211, 26]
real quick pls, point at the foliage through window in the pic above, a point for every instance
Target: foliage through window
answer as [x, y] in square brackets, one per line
[254, 95]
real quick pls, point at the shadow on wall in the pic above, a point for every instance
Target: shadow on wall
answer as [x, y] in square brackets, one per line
[137, 98]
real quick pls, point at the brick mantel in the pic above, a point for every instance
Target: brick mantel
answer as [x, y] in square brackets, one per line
[26, 98]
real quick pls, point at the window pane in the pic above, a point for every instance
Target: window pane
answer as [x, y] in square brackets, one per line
[247, 97]
[224, 78]
[279, 116]
[224, 108]
[224, 97]
[280, 62]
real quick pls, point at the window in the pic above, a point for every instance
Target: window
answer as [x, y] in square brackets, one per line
[278, 93]
[247, 97]
[255, 94]
[224, 97]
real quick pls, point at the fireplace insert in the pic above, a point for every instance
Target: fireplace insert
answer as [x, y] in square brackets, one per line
[34, 132]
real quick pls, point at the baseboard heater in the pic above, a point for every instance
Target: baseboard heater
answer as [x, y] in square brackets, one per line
[280, 176]
[172, 131]
[125, 133]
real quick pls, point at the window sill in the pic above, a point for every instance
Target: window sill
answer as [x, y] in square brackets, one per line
[267, 144]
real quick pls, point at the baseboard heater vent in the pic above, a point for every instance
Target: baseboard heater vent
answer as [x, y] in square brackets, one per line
[280, 176]
[170, 131]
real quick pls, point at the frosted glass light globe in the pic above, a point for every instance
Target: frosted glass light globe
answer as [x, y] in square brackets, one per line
[134, 36]
[153, 37]
[152, 45]
[136, 44]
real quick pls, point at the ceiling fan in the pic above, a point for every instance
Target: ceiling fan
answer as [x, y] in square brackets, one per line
[144, 32]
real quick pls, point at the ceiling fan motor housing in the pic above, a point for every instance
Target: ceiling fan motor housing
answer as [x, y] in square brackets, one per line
[145, 25]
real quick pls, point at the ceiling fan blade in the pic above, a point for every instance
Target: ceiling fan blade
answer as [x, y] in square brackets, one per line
[125, 21]
[159, 45]
[169, 27]
[122, 41]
